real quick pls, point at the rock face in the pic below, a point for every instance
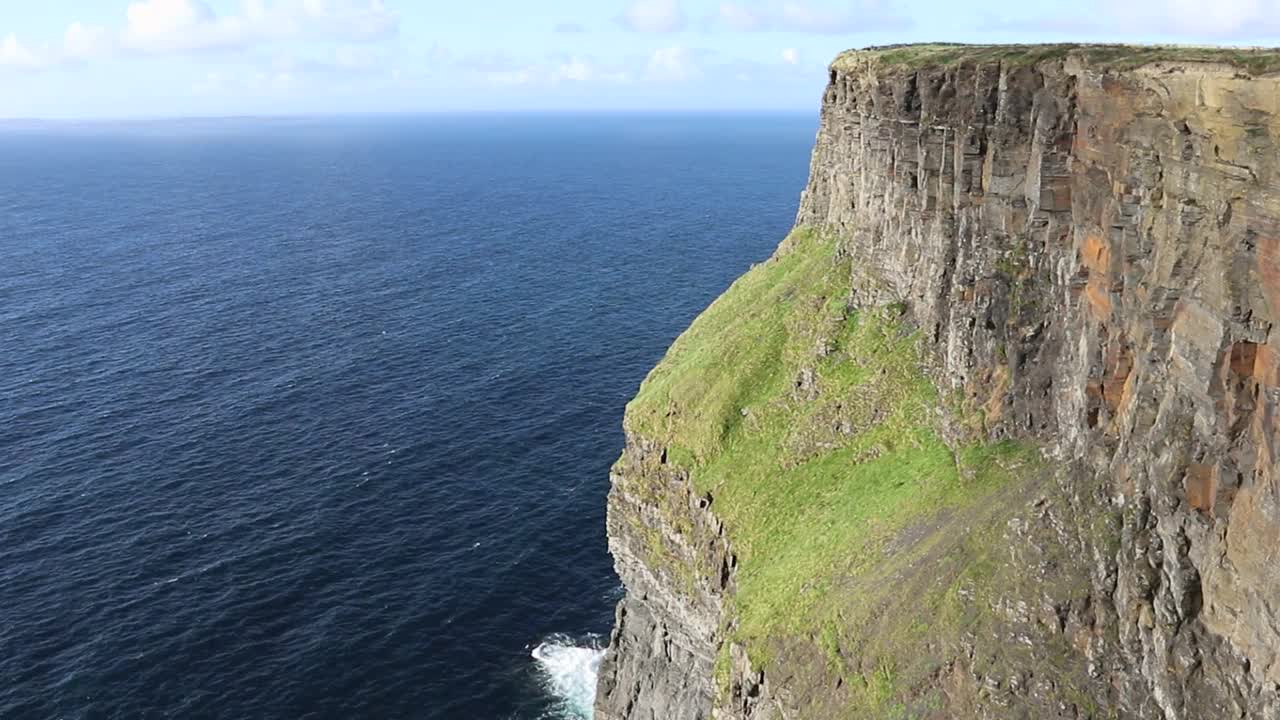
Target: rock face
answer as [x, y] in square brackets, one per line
[667, 627]
[1090, 250]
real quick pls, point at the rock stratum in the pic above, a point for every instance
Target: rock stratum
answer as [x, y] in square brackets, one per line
[993, 434]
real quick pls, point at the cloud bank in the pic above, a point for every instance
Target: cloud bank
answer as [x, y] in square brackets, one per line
[161, 27]
[654, 16]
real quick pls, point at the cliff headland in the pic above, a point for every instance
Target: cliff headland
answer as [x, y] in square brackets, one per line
[993, 434]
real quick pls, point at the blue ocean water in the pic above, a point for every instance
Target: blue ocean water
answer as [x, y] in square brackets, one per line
[313, 418]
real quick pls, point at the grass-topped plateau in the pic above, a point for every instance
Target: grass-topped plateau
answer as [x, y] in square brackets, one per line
[1255, 61]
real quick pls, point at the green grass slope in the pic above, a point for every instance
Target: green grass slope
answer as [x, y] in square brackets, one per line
[858, 530]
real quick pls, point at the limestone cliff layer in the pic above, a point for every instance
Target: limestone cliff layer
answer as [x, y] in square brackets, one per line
[1089, 249]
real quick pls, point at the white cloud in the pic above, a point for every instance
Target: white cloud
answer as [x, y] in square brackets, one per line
[673, 63]
[575, 70]
[583, 70]
[14, 54]
[348, 19]
[155, 27]
[656, 16]
[157, 18]
[166, 26]
[802, 16]
[83, 42]
[177, 26]
[791, 56]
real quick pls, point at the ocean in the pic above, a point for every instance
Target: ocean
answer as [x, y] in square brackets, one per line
[312, 418]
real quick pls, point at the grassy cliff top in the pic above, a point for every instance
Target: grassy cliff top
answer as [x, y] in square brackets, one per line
[1256, 61]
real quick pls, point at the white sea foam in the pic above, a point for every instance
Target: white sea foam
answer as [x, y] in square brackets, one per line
[568, 671]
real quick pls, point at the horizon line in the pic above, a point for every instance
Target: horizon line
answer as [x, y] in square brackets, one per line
[14, 120]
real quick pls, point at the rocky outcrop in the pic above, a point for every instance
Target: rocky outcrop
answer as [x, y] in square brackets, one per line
[670, 551]
[1090, 248]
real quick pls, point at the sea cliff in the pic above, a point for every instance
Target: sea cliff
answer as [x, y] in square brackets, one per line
[993, 433]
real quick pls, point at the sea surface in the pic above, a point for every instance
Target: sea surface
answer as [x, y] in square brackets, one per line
[313, 418]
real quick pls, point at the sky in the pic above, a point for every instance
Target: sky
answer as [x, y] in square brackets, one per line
[162, 58]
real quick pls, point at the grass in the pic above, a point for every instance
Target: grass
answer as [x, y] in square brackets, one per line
[875, 690]
[1255, 61]
[814, 428]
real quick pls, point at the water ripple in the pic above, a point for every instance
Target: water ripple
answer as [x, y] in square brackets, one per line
[313, 419]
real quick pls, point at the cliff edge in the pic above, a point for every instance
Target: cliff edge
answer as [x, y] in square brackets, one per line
[994, 432]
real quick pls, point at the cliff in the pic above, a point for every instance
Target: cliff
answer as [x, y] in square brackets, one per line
[993, 433]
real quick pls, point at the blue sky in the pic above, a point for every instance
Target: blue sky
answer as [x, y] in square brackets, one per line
[146, 58]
